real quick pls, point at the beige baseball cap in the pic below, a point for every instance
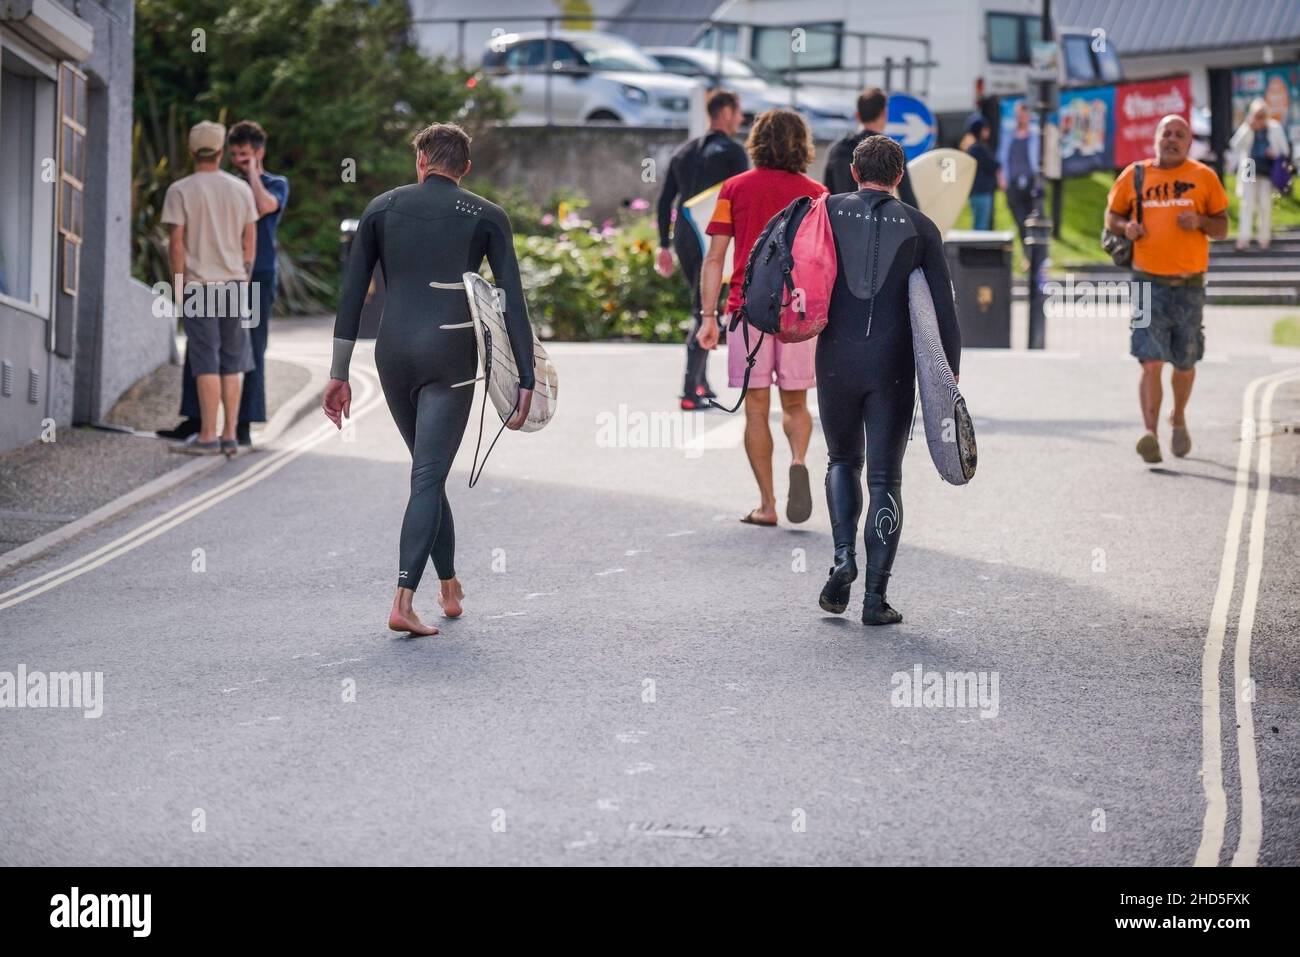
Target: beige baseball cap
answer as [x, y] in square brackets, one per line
[207, 137]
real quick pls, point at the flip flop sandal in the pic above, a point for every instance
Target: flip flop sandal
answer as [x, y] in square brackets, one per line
[751, 520]
[799, 505]
[199, 448]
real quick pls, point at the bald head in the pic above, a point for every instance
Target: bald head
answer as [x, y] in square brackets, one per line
[1173, 140]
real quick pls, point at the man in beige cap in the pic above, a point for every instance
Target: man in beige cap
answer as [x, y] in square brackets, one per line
[213, 240]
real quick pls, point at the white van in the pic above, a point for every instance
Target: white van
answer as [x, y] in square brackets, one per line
[950, 53]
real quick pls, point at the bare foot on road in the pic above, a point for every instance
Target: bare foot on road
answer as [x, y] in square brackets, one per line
[404, 618]
[450, 596]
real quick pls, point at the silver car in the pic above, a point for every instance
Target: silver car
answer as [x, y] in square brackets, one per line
[760, 89]
[586, 78]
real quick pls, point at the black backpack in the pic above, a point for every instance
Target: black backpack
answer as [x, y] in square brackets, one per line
[767, 285]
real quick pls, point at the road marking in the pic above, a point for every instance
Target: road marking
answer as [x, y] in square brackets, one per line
[186, 510]
[1216, 801]
[1252, 812]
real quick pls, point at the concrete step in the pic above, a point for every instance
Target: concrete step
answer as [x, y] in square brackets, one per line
[1222, 295]
[1273, 252]
[1215, 279]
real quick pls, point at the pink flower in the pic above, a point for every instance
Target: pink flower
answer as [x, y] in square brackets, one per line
[639, 203]
[548, 219]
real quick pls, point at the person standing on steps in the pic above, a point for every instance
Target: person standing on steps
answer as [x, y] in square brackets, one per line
[1258, 143]
[1017, 164]
[425, 237]
[866, 367]
[985, 186]
[700, 164]
[781, 148]
[247, 143]
[1184, 206]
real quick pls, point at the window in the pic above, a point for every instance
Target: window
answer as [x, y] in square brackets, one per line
[1009, 36]
[727, 36]
[1079, 67]
[679, 65]
[563, 55]
[772, 47]
[72, 171]
[525, 56]
[28, 178]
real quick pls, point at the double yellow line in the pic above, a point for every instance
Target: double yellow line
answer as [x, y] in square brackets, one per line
[278, 459]
[1255, 432]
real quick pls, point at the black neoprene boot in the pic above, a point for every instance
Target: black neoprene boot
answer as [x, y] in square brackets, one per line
[875, 610]
[835, 593]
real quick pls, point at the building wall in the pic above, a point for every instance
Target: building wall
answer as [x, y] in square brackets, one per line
[107, 336]
[540, 160]
[1197, 65]
[118, 338]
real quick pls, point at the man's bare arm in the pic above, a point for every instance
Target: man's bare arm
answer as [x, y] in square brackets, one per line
[250, 248]
[176, 260]
[1216, 227]
[710, 286]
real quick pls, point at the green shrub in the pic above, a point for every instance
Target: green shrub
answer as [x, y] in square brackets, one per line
[585, 281]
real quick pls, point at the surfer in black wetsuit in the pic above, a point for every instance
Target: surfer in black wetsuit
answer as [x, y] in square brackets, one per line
[873, 114]
[699, 164]
[866, 369]
[429, 232]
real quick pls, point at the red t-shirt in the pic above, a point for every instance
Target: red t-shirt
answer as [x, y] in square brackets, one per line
[746, 203]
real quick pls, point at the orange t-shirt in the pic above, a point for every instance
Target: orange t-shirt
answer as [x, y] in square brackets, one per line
[1167, 249]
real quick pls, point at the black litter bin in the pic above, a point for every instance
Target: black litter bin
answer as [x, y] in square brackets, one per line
[373, 308]
[980, 264]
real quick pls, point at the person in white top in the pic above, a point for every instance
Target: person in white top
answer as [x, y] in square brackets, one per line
[1258, 143]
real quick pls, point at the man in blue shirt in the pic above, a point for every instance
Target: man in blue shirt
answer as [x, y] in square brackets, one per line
[247, 143]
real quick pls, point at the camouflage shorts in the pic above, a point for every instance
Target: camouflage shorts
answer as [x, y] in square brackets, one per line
[1174, 330]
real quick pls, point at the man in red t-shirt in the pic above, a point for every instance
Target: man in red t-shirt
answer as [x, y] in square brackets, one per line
[780, 147]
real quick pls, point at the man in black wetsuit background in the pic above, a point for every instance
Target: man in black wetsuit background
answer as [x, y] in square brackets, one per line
[873, 113]
[699, 164]
[866, 367]
[425, 236]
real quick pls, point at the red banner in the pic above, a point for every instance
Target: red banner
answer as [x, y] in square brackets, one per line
[1139, 107]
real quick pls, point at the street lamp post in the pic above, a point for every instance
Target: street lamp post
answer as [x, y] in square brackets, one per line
[1038, 227]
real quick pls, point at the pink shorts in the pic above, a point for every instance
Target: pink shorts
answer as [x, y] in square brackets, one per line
[792, 365]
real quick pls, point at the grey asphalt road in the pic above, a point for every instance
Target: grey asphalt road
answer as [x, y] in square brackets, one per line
[641, 679]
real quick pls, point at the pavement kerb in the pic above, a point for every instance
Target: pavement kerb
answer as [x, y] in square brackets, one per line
[298, 405]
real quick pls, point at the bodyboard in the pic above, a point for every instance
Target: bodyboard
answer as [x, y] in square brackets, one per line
[949, 432]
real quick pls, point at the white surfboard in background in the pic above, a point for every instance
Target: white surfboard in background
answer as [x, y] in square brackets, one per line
[698, 210]
[942, 180]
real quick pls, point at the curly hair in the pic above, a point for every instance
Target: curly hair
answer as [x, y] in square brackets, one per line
[780, 139]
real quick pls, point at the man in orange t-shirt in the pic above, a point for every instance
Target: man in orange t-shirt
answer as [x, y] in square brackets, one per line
[1184, 206]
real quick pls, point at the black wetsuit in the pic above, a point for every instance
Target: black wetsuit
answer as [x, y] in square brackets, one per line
[865, 365]
[429, 232]
[700, 163]
[838, 177]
